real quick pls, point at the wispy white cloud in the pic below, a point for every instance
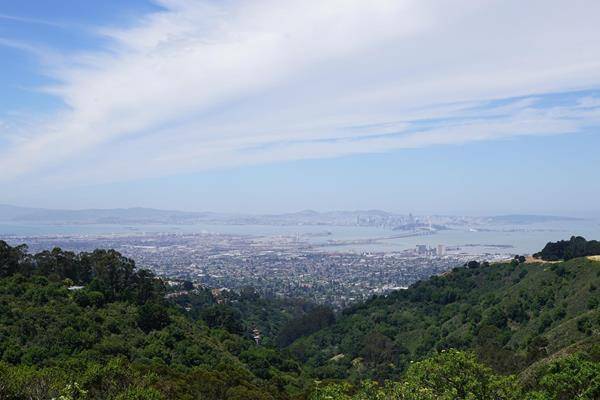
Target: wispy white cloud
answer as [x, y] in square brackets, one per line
[43, 54]
[206, 85]
[35, 21]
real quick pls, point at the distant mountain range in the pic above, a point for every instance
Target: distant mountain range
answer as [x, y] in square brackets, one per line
[518, 219]
[98, 216]
[150, 215]
[139, 215]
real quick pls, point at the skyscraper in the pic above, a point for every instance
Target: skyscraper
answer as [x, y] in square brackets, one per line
[441, 250]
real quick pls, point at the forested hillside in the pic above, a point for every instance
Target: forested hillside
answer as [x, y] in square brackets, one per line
[118, 338]
[92, 326]
[577, 246]
[510, 315]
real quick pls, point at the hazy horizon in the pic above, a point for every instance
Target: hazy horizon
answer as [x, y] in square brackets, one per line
[305, 210]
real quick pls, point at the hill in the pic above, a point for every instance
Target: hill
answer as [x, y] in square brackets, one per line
[100, 216]
[525, 219]
[575, 247]
[510, 315]
[92, 326]
[9, 213]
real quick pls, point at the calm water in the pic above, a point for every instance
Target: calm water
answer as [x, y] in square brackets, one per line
[523, 238]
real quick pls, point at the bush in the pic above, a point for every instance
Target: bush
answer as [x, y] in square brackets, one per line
[152, 316]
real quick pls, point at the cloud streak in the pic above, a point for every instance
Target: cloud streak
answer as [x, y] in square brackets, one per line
[34, 21]
[204, 85]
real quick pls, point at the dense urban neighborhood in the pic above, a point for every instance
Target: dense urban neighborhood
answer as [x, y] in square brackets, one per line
[277, 267]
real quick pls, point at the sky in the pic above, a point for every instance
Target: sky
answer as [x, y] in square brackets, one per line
[455, 107]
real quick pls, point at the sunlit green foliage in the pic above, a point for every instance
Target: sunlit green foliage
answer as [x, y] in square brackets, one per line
[510, 315]
[118, 338]
[454, 375]
[90, 326]
[577, 246]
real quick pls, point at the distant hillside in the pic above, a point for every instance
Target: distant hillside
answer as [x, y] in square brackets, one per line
[111, 216]
[102, 216]
[149, 215]
[521, 219]
[510, 314]
[139, 215]
[11, 213]
[376, 218]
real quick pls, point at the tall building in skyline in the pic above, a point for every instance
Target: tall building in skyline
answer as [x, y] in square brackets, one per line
[441, 250]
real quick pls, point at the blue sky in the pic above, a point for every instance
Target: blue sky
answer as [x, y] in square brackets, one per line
[466, 107]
